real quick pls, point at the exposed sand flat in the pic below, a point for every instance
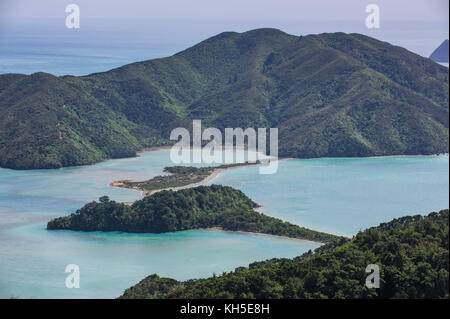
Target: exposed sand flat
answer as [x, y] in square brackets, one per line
[206, 180]
[262, 234]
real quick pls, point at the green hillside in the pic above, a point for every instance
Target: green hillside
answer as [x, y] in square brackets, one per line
[214, 206]
[411, 252]
[329, 94]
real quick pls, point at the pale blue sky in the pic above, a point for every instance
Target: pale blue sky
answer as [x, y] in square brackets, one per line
[33, 36]
[230, 9]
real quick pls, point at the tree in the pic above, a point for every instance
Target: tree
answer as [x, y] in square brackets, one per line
[104, 199]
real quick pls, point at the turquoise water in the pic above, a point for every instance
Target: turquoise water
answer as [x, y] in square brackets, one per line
[33, 260]
[346, 195]
[336, 195]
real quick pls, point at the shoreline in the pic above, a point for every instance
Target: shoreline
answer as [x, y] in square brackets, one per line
[258, 234]
[211, 177]
[153, 148]
[206, 180]
[157, 148]
[166, 147]
[218, 171]
[314, 229]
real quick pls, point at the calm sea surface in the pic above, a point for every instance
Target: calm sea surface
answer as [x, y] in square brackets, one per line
[335, 195]
[345, 195]
[33, 260]
[36, 45]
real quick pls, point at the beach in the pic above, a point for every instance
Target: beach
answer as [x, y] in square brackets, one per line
[206, 180]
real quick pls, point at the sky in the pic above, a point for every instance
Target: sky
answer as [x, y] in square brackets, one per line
[131, 30]
[429, 10]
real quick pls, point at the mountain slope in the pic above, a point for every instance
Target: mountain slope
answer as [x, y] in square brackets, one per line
[329, 94]
[411, 253]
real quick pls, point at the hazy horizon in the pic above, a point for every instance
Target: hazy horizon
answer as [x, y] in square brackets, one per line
[33, 37]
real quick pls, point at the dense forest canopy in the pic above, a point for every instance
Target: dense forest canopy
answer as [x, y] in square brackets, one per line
[331, 94]
[193, 208]
[412, 254]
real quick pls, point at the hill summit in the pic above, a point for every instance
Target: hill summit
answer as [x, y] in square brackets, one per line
[331, 94]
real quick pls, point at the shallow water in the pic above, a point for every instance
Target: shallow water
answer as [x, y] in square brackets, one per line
[33, 260]
[335, 195]
[345, 195]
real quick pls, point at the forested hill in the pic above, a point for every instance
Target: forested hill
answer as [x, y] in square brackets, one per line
[214, 206]
[330, 94]
[412, 254]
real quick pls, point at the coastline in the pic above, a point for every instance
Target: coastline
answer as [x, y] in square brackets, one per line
[165, 147]
[153, 148]
[206, 180]
[218, 171]
[259, 234]
[307, 227]
[283, 158]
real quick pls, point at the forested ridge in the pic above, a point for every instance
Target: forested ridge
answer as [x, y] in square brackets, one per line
[330, 95]
[192, 208]
[412, 253]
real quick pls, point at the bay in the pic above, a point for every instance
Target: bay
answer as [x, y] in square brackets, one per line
[345, 195]
[340, 196]
[33, 260]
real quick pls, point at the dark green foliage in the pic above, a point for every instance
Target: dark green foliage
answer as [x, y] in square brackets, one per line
[329, 94]
[153, 285]
[412, 253]
[193, 208]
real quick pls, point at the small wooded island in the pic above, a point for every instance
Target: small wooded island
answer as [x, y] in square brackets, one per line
[200, 207]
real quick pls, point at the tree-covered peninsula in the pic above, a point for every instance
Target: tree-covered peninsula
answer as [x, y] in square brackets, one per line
[212, 206]
[412, 254]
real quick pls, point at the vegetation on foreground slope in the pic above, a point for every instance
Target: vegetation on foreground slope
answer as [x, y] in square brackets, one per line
[168, 211]
[412, 253]
[330, 95]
